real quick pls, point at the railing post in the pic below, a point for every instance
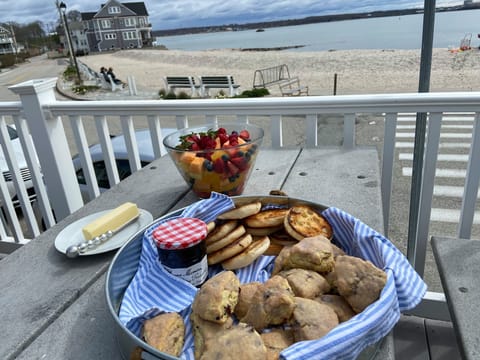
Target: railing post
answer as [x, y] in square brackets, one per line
[51, 144]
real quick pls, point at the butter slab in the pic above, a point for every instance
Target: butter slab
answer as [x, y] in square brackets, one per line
[111, 220]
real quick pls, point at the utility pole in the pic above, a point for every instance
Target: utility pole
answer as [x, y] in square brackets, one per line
[73, 59]
[15, 48]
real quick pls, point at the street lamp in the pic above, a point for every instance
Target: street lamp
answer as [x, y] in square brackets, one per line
[62, 6]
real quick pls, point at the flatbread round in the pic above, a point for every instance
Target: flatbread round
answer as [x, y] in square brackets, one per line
[230, 250]
[241, 212]
[247, 256]
[266, 218]
[226, 240]
[303, 221]
[220, 232]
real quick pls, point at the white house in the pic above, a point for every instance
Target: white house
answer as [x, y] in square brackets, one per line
[7, 41]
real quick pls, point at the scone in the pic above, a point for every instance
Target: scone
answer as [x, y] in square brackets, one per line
[303, 221]
[358, 281]
[341, 307]
[240, 342]
[276, 341]
[308, 327]
[217, 298]
[306, 283]
[203, 330]
[272, 304]
[247, 292]
[165, 332]
[313, 253]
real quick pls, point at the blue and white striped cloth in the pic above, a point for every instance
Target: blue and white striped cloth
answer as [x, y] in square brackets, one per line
[153, 290]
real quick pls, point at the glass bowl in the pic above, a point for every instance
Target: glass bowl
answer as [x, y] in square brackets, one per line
[210, 161]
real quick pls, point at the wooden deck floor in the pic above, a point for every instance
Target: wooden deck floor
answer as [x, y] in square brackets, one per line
[418, 338]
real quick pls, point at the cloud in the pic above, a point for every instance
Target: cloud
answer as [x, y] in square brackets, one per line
[167, 14]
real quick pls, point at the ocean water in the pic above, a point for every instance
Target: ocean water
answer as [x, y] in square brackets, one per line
[397, 32]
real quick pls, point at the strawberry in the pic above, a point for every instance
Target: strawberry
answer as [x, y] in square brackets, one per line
[233, 170]
[240, 162]
[245, 135]
[223, 138]
[219, 166]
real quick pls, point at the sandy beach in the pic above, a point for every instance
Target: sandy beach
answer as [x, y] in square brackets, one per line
[358, 71]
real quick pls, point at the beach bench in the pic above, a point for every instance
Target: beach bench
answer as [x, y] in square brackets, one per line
[292, 87]
[110, 84]
[218, 82]
[186, 82]
[275, 75]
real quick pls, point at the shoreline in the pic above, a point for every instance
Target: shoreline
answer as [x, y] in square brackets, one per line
[308, 20]
[358, 71]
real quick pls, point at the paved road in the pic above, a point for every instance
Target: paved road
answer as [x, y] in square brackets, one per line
[369, 132]
[36, 68]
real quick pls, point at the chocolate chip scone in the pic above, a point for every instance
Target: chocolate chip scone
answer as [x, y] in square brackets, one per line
[308, 327]
[217, 298]
[313, 253]
[240, 342]
[276, 341]
[165, 332]
[203, 330]
[247, 292]
[306, 283]
[358, 281]
[338, 303]
[272, 304]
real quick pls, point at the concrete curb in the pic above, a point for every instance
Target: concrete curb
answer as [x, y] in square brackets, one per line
[59, 88]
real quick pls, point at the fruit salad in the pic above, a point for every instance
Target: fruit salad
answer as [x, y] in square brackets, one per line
[216, 160]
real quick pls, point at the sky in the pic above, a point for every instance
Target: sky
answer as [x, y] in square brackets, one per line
[172, 14]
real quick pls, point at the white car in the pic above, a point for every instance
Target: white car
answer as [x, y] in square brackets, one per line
[145, 150]
[22, 164]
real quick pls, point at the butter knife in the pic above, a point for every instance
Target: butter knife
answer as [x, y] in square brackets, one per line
[74, 250]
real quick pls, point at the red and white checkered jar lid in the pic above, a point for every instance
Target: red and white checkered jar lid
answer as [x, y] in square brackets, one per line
[180, 233]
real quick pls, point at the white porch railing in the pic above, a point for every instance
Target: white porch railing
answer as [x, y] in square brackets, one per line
[59, 128]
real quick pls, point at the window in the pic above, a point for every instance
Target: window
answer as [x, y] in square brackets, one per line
[114, 10]
[110, 36]
[130, 22]
[129, 35]
[106, 24]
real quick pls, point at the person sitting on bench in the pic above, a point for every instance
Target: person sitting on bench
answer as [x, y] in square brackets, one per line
[103, 72]
[114, 78]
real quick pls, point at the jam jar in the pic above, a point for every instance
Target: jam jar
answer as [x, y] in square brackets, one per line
[181, 249]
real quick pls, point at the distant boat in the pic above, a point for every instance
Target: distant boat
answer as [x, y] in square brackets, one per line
[260, 30]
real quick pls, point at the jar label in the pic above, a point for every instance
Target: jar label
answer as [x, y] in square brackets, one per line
[195, 274]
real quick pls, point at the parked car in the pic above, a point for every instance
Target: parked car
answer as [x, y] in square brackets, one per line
[22, 164]
[146, 154]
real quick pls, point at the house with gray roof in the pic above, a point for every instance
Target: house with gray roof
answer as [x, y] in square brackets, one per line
[118, 26]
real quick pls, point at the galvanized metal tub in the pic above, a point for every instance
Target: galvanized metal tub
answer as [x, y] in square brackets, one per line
[120, 275]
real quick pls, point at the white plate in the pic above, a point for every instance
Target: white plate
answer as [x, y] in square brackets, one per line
[73, 235]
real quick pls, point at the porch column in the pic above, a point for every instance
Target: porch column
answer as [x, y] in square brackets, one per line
[51, 144]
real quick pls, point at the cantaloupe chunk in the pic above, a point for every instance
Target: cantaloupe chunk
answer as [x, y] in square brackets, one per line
[187, 157]
[196, 167]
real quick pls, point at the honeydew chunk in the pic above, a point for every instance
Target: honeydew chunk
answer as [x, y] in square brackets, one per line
[111, 220]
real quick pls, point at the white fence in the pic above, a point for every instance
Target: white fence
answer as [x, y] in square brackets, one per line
[53, 130]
